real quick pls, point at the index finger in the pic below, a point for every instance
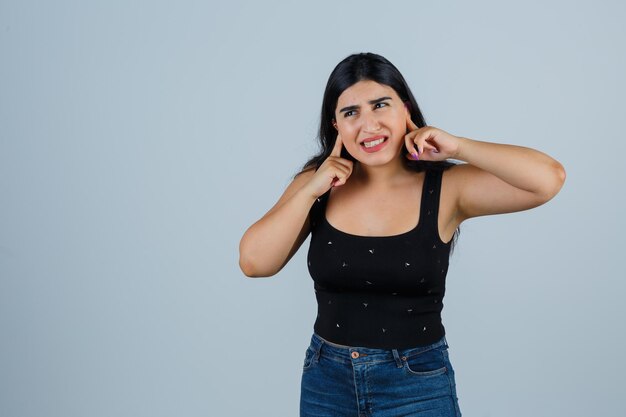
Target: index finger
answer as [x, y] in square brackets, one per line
[337, 148]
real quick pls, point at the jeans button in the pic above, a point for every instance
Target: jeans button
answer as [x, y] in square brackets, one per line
[355, 355]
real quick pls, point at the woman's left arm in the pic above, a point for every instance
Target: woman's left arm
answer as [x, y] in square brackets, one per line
[498, 178]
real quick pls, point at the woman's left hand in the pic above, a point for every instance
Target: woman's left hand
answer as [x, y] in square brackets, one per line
[429, 143]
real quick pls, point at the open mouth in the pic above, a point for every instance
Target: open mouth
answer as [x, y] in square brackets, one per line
[374, 144]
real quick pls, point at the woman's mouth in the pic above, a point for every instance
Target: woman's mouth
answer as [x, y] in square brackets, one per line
[374, 144]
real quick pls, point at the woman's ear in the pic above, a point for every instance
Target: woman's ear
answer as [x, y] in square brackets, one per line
[335, 124]
[407, 111]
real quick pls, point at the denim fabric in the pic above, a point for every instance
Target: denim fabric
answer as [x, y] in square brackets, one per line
[344, 381]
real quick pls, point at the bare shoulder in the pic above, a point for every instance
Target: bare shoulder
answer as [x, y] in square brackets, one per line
[458, 177]
[460, 173]
[452, 180]
[468, 191]
[456, 182]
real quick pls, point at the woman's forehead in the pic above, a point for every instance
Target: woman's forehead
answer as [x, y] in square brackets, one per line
[364, 91]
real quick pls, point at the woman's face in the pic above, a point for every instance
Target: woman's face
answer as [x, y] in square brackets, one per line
[371, 119]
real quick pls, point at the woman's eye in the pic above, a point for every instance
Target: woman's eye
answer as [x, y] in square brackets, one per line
[348, 113]
[379, 105]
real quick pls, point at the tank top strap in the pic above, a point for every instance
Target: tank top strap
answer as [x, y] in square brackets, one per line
[318, 209]
[430, 201]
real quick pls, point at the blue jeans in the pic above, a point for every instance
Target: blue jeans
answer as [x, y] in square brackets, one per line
[345, 381]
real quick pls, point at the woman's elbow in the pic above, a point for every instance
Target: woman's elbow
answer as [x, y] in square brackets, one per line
[246, 266]
[251, 266]
[561, 172]
[555, 182]
[253, 261]
[560, 175]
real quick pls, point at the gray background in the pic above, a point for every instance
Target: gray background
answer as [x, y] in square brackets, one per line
[139, 140]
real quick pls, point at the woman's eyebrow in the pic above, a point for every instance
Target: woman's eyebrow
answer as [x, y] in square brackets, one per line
[355, 107]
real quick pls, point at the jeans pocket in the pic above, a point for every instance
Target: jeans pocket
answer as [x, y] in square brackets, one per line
[429, 363]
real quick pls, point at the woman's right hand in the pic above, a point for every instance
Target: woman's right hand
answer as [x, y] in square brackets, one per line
[333, 172]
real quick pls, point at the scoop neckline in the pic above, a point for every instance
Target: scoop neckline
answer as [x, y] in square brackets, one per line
[420, 219]
[419, 224]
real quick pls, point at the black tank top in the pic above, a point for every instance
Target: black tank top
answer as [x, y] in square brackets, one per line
[380, 292]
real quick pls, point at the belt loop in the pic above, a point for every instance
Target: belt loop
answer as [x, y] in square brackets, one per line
[396, 356]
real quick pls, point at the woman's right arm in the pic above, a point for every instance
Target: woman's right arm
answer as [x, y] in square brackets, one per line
[270, 242]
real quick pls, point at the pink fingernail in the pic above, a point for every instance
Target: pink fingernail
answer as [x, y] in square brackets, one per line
[416, 156]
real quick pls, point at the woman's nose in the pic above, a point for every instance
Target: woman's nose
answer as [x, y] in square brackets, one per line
[371, 124]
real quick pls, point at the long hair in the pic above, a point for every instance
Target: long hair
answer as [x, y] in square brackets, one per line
[366, 67]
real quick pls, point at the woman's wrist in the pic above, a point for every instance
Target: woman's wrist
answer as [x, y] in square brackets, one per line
[462, 143]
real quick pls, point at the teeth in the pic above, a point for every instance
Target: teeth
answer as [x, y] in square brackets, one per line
[374, 143]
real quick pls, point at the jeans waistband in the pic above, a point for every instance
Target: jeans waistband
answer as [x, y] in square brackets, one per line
[365, 354]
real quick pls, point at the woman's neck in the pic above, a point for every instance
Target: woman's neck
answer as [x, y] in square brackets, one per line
[382, 175]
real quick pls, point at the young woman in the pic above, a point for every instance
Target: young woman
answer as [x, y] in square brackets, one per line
[383, 206]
